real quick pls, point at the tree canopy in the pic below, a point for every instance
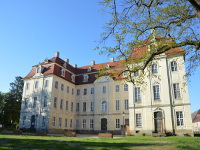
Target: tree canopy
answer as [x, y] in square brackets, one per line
[133, 21]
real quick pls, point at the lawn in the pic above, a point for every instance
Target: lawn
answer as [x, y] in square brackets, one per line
[28, 142]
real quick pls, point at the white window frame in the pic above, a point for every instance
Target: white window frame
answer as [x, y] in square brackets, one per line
[125, 87]
[156, 92]
[174, 66]
[62, 72]
[91, 123]
[179, 118]
[117, 123]
[36, 84]
[84, 123]
[116, 88]
[55, 102]
[117, 105]
[85, 91]
[154, 68]
[92, 90]
[85, 78]
[104, 89]
[62, 87]
[177, 92]
[91, 106]
[138, 120]
[54, 121]
[137, 94]
[126, 104]
[103, 105]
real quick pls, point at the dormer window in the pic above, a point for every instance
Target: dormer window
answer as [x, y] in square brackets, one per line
[73, 78]
[46, 60]
[36, 84]
[85, 78]
[39, 70]
[89, 69]
[107, 66]
[125, 73]
[62, 72]
[65, 65]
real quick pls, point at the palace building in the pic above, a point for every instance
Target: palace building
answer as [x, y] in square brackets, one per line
[58, 96]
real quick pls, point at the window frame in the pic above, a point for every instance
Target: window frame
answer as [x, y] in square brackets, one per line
[138, 94]
[177, 91]
[179, 118]
[138, 118]
[156, 92]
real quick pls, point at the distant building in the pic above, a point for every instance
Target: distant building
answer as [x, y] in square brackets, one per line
[196, 121]
[58, 96]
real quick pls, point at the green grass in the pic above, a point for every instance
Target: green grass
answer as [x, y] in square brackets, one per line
[28, 142]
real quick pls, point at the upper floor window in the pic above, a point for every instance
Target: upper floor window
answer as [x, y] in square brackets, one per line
[66, 105]
[104, 106]
[156, 92]
[73, 78]
[117, 88]
[72, 91]
[39, 70]
[154, 68]
[85, 92]
[27, 86]
[26, 102]
[72, 106]
[92, 90]
[77, 107]
[34, 102]
[126, 104]
[45, 101]
[85, 78]
[92, 106]
[56, 84]
[104, 89]
[177, 93]
[46, 83]
[174, 66]
[62, 87]
[84, 106]
[61, 104]
[125, 73]
[36, 84]
[125, 87]
[67, 89]
[117, 104]
[78, 91]
[179, 118]
[55, 102]
[137, 95]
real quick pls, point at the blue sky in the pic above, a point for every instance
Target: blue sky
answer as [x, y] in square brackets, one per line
[32, 30]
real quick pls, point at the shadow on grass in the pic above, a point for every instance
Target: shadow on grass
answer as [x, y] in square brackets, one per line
[23, 142]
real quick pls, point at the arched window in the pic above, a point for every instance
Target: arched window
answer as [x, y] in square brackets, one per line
[104, 106]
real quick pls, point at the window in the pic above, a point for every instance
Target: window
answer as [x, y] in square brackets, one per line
[72, 106]
[125, 73]
[26, 102]
[117, 104]
[73, 78]
[85, 92]
[84, 123]
[177, 94]
[60, 122]
[67, 89]
[55, 102]
[104, 106]
[62, 87]
[179, 118]
[92, 90]
[43, 121]
[126, 121]
[77, 123]
[27, 86]
[45, 101]
[66, 106]
[46, 83]
[136, 73]
[24, 120]
[117, 88]
[70, 123]
[36, 84]
[173, 66]
[56, 84]
[91, 123]
[125, 87]
[77, 107]
[62, 71]
[72, 91]
[138, 120]
[92, 106]
[34, 102]
[61, 104]
[85, 78]
[78, 91]
[137, 95]
[126, 104]
[104, 89]
[117, 123]
[154, 68]
[54, 121]
[84, 106]
[39, 70]
[156, 92]
[66, 122]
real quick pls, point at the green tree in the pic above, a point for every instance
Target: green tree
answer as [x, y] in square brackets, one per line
[132, 21]
[12, 103]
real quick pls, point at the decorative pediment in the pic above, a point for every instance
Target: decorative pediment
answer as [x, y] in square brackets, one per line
[103, 79]
[158, 109]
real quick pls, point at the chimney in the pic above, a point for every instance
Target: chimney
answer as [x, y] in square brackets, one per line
[75, 65]
[57, 54]
[92, 62]
[67, 61]
[112, 59]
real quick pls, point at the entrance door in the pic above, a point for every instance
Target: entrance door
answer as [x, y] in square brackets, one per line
[103, 124]
[158, 121]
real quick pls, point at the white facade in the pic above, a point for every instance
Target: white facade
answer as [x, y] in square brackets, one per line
[160, 105]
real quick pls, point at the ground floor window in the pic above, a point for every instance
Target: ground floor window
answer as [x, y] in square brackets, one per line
[65, 122]
[84, 123]
[43, 121]
[91, 123]
[60, 122]
[126, 121]
[117, 123]
[54, 121]
[138, 120]
[179, 118]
